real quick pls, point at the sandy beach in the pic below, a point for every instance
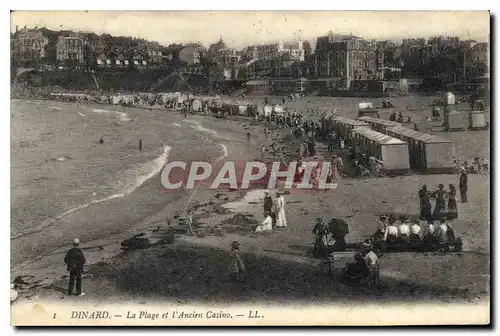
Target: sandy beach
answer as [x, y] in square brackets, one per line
[66, 185]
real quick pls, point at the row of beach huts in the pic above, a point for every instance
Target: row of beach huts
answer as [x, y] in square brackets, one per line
[179, 101]
[400, 148]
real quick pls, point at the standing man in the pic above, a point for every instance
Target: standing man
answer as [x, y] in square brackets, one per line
[463, 185]
[74, 261]
[268, 207]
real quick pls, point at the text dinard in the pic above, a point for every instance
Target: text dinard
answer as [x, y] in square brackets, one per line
[152, 316]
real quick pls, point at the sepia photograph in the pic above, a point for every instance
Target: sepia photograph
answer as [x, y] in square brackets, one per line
[250, 168]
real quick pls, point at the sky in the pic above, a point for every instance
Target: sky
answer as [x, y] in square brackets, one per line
[242, 28]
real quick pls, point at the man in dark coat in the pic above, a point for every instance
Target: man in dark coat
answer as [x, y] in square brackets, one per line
[268, 207]
[463, 185]
[74, 261]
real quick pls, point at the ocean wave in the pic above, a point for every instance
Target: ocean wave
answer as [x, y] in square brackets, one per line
[121, 115]
[142, 173]
[81, 114]
[55, 107]
[176, 125]
[206, 130]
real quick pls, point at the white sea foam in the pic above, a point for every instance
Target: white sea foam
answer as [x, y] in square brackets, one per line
[80, 113]
[176, 125]
[146, 171]
[224, 152]
[121, 115]
[55, 107]
[206, 130]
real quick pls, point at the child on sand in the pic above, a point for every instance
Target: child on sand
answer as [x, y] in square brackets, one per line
[236, 267]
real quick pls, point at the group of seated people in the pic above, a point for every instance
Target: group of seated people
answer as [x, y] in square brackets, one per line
[401, 234]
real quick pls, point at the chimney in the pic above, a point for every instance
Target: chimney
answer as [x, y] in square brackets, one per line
[17, 28]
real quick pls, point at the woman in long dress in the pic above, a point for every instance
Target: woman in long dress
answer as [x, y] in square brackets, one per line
[337, 166]
[425, 204]
[452, 203]
[440, 208]
[279, 206]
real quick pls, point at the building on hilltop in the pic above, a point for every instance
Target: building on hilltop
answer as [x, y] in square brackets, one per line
[69, 49]
[28, 46]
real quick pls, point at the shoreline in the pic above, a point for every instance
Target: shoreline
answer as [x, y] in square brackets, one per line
[210, 208]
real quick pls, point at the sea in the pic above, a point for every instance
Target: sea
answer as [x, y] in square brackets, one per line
[66, 184]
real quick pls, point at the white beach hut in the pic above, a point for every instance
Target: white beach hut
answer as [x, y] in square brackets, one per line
[392, 151]
[428, 152]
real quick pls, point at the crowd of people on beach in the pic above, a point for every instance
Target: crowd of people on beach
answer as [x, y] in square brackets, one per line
[477, 165]
[391, 230]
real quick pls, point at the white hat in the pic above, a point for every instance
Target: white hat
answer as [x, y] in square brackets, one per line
[76, 241]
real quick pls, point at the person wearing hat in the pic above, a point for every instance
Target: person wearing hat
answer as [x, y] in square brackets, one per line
[463, 184]
[279, 210]
[414, 232]
[75, 260]
[452, 203]
[381, 227]
[425, 203]
[268, 206]
[391, 233]
[404, 232]
[404, 227]
[440, 208]
[320, 229]
[237, 266]
[337, 166]
[371, 262]
[428, 234]
[441, 231]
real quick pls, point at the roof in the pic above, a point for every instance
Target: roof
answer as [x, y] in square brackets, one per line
[424, 137]
[378, 137]
[348, 121]
[378, 121]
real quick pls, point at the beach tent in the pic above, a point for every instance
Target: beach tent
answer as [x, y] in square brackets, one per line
[343, 126]
[196, 105]
[449, 98]
[378, 124]
[455, 120]
[427, 152]
[392, 151]
[327, 120]
[278, 109]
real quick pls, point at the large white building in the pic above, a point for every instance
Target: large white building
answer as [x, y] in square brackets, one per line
[294, 50]
[69, 48]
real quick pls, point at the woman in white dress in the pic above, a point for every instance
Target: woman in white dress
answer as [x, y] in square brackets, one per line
[266, 225]
[279, 208]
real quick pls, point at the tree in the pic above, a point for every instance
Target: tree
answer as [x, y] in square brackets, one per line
[306, 45]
